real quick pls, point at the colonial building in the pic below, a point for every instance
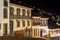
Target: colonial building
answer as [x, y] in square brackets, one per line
[20, 19]
[54, 29]
[14, 19]
[4, 17]
[39, 25]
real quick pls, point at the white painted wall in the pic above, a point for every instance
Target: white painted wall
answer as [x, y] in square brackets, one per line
[1, 17]
[54, 34]
[2, 20]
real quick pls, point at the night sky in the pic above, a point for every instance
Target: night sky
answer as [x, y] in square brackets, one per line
[46, 5]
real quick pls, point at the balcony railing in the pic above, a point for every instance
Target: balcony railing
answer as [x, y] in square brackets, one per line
[19, 17]
[34, 24]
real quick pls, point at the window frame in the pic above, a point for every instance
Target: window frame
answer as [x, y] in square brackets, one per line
[5, 15]
[18, 23]
[23, 23]
[18, 11]
[11, 10]
[23, 12]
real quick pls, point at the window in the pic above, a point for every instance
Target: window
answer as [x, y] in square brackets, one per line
[23, 12]
[11, 10]
[23, 23]
[0, 26]
[28, 22]
[38, 32]
[18, 23]
[51, 32]
[5, 13]
[35, 32]
[46, 23]
[5, 3]
[27, 33]
[5, 28]
[18, 11]
[28, 13]
[11, 27]
[43, 22]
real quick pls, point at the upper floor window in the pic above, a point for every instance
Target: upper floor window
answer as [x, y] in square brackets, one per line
[11, 10]
[28, 22]
[18, 23]
[5, 2]
[23, 12]
[5, 15]
[23, 22]
[28, 13]
[18, 11]
[43, 22]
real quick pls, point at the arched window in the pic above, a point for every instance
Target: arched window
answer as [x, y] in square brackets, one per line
[23, 23]
[18, 11]
[11, 27]
[23, 12]
[11, 10]
[28, 23]
[18, 23]
[28, 13]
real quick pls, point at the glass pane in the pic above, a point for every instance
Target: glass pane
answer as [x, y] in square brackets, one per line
[5, 3]
[27, 33]
[5, 13]
[5, 29]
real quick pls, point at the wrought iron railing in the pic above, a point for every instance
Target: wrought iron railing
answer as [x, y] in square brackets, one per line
[19, 17]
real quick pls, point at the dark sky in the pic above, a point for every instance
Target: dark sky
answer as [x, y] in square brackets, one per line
[47, 5]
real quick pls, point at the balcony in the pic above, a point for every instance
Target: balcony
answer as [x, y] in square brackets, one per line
[19, 17]
[34, 24]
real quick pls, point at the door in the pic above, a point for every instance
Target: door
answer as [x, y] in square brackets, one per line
[5, 28]
[41, 33]
[11, 27]
[27, 33]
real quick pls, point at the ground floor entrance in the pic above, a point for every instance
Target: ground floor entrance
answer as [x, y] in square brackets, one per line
[5, 29]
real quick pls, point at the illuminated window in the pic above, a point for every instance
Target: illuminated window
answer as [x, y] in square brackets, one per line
[43, 22]
[35, 32]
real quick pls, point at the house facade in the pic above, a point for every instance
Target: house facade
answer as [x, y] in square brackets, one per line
[4, 17]
[14, 18]
[39, 27]
[17, 20]
[21, 19]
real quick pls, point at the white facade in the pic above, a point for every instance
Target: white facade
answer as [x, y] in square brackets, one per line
[42, 24]
[54, 32]
[2, 20]
[5, 22]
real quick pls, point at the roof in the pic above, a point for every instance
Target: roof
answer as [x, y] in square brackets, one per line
[35, 12]
[20, 3]
[52, 25]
